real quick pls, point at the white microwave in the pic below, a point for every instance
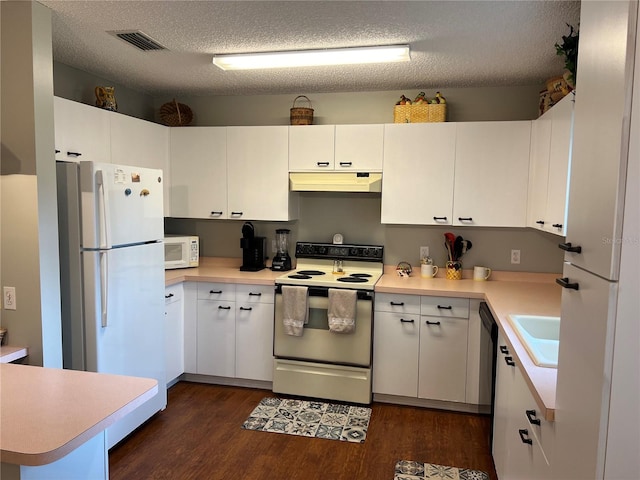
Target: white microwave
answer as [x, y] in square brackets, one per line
[181, 251]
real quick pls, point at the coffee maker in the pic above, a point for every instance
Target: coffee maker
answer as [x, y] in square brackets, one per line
[282, 261]
[253, 249]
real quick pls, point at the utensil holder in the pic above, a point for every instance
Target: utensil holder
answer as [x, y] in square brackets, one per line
[453, 270]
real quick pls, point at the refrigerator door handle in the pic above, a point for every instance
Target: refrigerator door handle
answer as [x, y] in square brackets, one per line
[104, 287]
[104, 225]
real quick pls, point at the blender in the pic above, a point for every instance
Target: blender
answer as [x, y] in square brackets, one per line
[282, 261]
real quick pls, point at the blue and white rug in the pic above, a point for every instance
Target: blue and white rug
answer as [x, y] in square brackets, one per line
[410, 470]
[333, 421]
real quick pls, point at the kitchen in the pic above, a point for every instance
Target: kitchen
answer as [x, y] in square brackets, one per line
[395, 252]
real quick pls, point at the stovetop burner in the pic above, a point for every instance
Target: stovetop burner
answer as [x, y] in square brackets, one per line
[361, 275]
[299, 276]
[310, 272]
[352, 279]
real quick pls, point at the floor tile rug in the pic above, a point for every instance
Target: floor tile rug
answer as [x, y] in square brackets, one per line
[409, 470]
[310, 419]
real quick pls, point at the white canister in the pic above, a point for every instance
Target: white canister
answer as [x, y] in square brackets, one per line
[428, 271]
[481, 273]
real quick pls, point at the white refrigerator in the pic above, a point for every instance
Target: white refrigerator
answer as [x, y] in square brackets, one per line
[111, 229]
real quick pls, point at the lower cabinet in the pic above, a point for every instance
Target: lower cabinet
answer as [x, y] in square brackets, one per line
[522, 440]
[421, 348]
[174, 332]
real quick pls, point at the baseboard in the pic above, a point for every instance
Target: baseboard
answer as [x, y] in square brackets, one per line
[233, 382]
[437, 404]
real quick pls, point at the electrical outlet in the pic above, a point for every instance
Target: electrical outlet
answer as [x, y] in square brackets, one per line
[515, 257]
[9, 298]
[424, 252]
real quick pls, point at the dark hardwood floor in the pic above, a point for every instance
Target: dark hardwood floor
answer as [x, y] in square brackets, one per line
[199, 436]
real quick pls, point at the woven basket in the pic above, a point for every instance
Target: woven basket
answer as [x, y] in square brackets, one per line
[301, 115]
[438, 112]
[402, 114]
[421, 113]
[175, 114]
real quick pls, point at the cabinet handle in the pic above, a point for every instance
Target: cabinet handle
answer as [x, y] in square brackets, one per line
[216, 214]
[432, 323]
[531, 416]
[73, 154]
[169, 296]
[346, 164]
[236, 214]
[567, 247]
[439, 219]
[524, 436]
[251, 294]
[57, 151]
[557, 225]
[509, 361]
[465, 219]
[322, 164]
[564, 283]
[504, 349]
[220, 307]
[406, 320]
[448, 307]
[396, 304]
[540, 222]
[245, 308]
[215, 292]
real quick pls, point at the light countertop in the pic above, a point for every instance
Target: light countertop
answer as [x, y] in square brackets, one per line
[9, 353]
[47, 413]
[505, 293]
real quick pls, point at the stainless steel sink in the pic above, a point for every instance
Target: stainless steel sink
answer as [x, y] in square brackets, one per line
[540, 336]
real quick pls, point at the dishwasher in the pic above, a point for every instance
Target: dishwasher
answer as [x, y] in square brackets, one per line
[488, 350]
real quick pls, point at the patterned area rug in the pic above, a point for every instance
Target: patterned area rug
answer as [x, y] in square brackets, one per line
[409, 470]
[310, 419]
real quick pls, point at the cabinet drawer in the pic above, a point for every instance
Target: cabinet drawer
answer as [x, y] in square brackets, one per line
[216, 291]
[388, 302]
[173, 294]
[254, 294]
[444, 307]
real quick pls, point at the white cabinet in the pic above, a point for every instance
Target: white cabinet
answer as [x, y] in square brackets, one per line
[190, 311]
[257, 174]
[357, 148]
[142, 144]
[254, 332]
[417, 184]
[174, 332]
[216, 329]
[549, 169]
[520, 437]
[198, 158]
[82, 132]
[491, 176]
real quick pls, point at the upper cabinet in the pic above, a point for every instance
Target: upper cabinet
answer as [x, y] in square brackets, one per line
[199, 172]
[492, 171]
[257, 174]
[357, 148]
[549, 169]
[142, 144]
[417, 184]
[82, 132]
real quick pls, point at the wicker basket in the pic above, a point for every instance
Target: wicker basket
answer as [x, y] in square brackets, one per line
[301, 115]
[175, 114]
[438, 112]
[402, 114]
[420, 113]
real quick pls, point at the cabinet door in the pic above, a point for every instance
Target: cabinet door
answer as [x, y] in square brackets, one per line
[491, 174]
[216, 338]
[539, 171]
[359, 147]
[417, 185]
[81, 129]
[395, 353]
[258, 173]
[142, 144]
[198, 157]
[254, 341]
[311, 147]
[190, 308]
[174, 332]
[442, 367]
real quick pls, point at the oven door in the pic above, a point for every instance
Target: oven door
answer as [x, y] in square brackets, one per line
[317, 343]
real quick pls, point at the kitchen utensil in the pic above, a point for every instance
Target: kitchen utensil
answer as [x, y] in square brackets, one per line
[457, 247]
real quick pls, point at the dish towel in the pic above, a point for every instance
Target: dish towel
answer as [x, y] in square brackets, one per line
[295, 302]
[342, 310]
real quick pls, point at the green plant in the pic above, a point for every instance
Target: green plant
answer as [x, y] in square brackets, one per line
[569, 50]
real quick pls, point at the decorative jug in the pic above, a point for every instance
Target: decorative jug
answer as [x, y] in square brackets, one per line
[105, 98]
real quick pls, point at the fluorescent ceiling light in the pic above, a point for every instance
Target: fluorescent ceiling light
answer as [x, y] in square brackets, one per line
[309, 58]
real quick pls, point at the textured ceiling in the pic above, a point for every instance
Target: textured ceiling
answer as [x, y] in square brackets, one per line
[453, 43]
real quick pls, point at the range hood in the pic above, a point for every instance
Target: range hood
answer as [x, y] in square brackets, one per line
[335, 182]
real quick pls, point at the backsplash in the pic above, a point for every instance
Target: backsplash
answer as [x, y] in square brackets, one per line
[357, 217]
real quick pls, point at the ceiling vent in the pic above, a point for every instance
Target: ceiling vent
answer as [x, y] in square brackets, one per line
[138, 40]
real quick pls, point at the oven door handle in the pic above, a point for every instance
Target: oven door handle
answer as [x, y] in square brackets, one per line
[324, 292]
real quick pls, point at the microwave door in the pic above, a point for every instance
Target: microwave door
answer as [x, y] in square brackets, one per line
[173, 255]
